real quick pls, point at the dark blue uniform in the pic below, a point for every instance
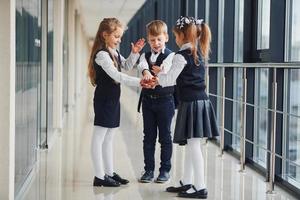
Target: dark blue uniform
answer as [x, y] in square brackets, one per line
[158, 111]
[106, 97]
[195, 117]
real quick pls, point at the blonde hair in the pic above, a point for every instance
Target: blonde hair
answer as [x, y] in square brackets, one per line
[196, 33]
[108, 25]
[156, 27]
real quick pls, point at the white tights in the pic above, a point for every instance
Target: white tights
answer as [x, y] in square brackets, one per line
[194, 164]
[102, 151]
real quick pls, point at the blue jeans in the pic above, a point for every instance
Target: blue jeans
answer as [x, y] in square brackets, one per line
[157, 114]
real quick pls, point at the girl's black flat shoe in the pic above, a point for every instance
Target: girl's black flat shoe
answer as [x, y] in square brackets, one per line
[106, 182]
[200, 194]
[118, 178]
[181, 188]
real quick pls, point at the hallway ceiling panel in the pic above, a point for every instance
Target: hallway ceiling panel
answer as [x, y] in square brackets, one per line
[94, 11]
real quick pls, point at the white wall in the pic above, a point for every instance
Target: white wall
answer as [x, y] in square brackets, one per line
[7, 100]
[77, 90]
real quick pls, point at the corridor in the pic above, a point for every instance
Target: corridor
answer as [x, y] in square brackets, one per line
[65, 170]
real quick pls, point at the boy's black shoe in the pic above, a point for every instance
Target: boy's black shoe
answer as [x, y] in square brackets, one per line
[181, 188]
[106, 182]
[162, 177]
[200, 194]
[117, 177]
[147, 177]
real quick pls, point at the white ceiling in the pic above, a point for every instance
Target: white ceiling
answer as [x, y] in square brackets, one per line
[93, 11]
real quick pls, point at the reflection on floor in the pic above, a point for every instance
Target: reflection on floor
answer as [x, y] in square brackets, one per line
[64, 172]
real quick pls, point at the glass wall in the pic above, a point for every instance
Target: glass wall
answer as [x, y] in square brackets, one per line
[237, 107]
[28, 29]
[220, 30]
[252, 41]
[261, 116]
[263, 24]
[238, 73]
[291, 169]
[293, 128]
[220, 75]
[238, 31]
[294, 24]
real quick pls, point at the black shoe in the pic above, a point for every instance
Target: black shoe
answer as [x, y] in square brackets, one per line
[106, 182]
[200, 194]
[147, 177]
[162, 177]
[116, 177]
[181, 188]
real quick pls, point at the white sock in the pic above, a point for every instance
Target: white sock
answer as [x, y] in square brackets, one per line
[194, 146]
[188, 168]
[96, 150]
[107, 152]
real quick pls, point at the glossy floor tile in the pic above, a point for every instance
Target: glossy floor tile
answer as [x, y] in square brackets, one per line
[64, 172]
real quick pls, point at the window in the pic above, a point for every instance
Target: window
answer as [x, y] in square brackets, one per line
[220, 75]
[263, 24]
[238, 31]
[237, 107]
[27, 103]
[294, 31]
[293, 129]
[221, 31]
[261, 116]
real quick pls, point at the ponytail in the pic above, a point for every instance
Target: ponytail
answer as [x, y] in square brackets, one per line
[193, 30]
[205, 40]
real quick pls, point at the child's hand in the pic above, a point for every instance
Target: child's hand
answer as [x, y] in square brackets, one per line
[152, 83]
[145, 83]
[156, 69]
[138, 46]
[147, 75]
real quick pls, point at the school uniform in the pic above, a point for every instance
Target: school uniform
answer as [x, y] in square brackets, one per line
[107, 91]
[107, 112]
[195, 117]
[158, 111]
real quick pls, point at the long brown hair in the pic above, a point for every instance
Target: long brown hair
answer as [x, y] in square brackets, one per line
[196, 33]
[108, 25]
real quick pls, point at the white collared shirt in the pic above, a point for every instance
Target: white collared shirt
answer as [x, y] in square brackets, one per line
[128, 63]
[165, 66]
[104, 60]
[178, 64]
[154, 55]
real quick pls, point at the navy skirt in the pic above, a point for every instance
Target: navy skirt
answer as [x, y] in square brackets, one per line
[195, 119]
[107, 113]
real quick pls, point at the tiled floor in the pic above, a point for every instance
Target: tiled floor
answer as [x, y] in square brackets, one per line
[64, 172]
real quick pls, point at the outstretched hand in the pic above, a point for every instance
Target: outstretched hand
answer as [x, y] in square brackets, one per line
[150, 83]
[138, 46]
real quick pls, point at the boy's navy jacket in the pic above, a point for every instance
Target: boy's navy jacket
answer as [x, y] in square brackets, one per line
[190, 84]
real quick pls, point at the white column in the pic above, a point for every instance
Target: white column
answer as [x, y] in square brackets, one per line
[7, 100]
[71, 74]
[58, 63]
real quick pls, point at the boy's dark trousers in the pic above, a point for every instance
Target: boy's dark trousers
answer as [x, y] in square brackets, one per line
[158, 112]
